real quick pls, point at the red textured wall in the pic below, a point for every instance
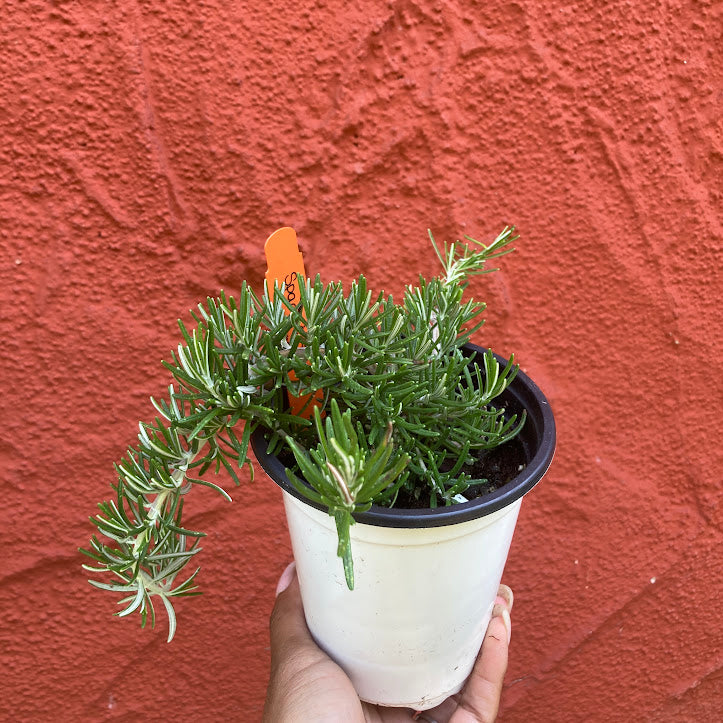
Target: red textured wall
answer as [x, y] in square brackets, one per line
[148, 149]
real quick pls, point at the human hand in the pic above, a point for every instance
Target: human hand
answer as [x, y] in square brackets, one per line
[306, 685]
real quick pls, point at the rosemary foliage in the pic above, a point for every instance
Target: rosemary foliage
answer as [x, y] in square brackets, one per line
[401, 408]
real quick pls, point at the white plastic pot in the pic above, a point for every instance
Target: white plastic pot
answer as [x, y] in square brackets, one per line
[425, 580]
[409, 632]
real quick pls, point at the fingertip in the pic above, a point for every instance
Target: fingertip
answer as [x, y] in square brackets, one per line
[480, 697]
[286, 578]
[508, 624]
[507, 595]
[501, 612]
[287, 622]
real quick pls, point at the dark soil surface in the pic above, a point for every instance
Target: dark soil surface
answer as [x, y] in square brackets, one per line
[496, 467]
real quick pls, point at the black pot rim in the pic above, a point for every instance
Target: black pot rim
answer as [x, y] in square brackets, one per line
[539, 431]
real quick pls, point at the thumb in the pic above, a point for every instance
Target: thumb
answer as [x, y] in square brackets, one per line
[305, 684]
[289, 634]
[292, 651]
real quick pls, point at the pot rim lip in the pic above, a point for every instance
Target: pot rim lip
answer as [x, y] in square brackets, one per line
[539, 411]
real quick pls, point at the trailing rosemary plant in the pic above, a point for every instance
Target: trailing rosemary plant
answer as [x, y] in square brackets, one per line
[402, 411]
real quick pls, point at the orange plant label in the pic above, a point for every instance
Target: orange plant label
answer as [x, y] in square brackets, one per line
[285, 268]
[285, 263]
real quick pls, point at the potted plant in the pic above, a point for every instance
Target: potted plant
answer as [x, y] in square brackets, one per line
[403, 452]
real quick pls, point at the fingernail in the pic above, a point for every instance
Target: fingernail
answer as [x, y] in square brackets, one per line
[506, 594]
[502, 612]
[286, 577]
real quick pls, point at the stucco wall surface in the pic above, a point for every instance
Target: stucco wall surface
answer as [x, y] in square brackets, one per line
[149, 148]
